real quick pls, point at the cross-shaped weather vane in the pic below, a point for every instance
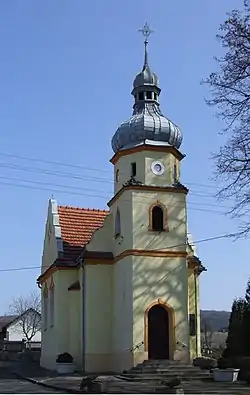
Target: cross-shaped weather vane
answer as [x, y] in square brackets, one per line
[146, 31]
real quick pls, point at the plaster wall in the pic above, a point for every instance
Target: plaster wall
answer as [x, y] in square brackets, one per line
[102, 239]
[143, 160]
[123, 314]
[194, 308]
[15, 333]
[98, 317]
[125, 205]
[58, 338]
[174, 238]
[166, 279]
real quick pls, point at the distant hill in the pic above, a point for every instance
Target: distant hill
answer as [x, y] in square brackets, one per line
[216, 320]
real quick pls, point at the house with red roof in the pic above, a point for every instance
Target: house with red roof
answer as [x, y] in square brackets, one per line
[120, 286]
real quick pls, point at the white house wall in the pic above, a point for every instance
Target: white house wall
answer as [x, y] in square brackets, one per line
[15, 333]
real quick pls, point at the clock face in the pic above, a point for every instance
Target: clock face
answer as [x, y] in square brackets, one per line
[157, 168]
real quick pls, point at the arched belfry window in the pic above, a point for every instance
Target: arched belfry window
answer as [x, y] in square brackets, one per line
[158, 218]
[117, 223]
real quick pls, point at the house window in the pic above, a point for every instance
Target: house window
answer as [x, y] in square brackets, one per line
[149, 95]
[141, 96]
[52, 303]
[192, 324]
[133, 169]
[117, 223]
[157, 218]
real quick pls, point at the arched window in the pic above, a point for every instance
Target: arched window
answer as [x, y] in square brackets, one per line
[117, 175]
[157, 218]
[117, 223]
[175, 173]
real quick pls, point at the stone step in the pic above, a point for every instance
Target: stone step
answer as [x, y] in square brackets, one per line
[166, 375]
[169, 363]
[165, 369]
[188, 387]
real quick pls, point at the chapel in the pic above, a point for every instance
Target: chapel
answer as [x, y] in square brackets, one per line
[121, 285]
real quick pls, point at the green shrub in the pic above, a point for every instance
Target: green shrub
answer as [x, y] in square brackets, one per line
[64, 358]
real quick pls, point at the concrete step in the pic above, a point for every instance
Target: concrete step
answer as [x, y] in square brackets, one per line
[165, 369]
[188, 387]
[163, 376]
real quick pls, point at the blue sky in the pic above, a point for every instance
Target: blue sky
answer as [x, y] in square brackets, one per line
[66, 74]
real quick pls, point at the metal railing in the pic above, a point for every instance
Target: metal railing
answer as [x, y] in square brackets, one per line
[183, 345]
[136, 346]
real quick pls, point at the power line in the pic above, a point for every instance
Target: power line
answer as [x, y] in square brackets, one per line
[227, 235]
[64, 164]
[104, 197]
[88, 189]
[78, 177]
[54, 173]
[50, 162]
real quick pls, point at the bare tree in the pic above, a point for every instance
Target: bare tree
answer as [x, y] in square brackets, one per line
[207, 335]
[28, 310]
[230, 95]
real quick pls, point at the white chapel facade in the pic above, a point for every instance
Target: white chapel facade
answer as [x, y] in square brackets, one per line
[122, 285]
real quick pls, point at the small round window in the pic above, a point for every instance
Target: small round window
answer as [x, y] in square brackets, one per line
[157, 168]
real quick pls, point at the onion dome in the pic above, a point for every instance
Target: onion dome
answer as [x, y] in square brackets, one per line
[147, 121]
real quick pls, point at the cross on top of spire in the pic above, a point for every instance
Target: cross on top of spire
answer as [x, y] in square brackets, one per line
[146, 31]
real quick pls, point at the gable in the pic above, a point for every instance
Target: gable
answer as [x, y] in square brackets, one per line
[6, 320]
[52, 245]
[68, 229]
[77, 227]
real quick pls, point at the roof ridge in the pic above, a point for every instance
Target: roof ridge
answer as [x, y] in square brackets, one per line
[97, 210]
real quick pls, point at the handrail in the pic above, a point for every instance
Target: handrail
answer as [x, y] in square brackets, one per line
[136, 346]
[181, 343]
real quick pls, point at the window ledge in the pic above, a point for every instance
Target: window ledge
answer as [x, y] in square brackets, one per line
[158, 231]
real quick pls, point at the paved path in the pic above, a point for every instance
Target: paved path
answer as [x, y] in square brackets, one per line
[9, 384]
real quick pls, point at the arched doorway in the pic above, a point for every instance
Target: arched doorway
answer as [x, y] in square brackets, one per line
[158, 332]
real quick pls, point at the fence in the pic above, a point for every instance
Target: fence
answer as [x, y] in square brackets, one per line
[19, 346]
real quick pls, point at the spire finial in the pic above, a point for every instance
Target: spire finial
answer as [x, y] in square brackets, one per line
[146, 31]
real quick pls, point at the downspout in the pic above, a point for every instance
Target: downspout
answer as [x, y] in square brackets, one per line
[196, 310]
[83, 314]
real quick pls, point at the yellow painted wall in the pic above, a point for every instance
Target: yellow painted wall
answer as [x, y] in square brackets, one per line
[143, 161]
[123, 314]
[49, 350]
[102, 239]
[194, 308]
[164, 278]
[125, 205]
[175, 238]
[98, 317]
[198, 322]
[65, 335]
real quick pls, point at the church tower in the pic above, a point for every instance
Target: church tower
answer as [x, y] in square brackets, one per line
[151, 291]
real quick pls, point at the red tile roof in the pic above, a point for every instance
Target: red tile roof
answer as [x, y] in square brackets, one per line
[77, 226]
